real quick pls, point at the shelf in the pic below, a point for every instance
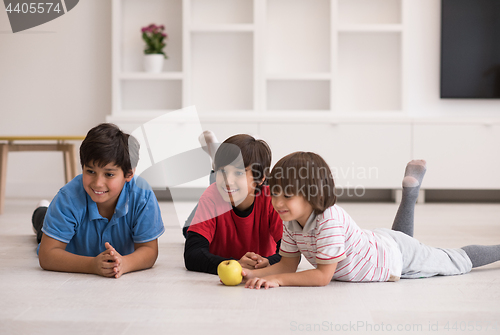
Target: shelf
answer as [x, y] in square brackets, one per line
[286, 117]
[299, 76]
[151, 94]
[297, 36]
[221, 11]
[137, 115]
[151, 76]
[369, 73]
[222, 28]
[369, 11]
[222, 71]
[137, 14]
[367, 28]
[298, 95]
[248, 57]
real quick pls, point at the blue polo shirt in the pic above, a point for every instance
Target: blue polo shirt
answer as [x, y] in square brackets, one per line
[73, 218]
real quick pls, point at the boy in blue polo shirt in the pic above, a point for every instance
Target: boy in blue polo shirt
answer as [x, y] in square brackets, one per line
[105, 221]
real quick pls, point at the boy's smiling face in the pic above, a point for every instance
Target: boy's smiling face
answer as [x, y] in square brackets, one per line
[236, 185]
[291, 207]
[104, 185]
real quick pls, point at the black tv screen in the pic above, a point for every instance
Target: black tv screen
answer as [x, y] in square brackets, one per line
[470, 49]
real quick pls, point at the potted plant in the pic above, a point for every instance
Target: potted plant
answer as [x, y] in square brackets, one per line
[154, 55]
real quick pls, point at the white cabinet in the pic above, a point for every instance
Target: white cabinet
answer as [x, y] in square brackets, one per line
[317, 75]
[359, 155]
[460, 156]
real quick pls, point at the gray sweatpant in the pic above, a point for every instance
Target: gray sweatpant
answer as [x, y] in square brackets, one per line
[422, 261]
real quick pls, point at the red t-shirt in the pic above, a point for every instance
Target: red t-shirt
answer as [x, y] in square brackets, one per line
[231, 236]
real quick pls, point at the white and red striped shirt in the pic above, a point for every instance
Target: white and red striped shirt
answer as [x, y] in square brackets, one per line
[334, 237]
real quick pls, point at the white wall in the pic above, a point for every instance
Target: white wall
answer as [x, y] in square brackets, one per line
[55, 79]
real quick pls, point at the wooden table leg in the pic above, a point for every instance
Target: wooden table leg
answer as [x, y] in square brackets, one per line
[70, 162]
[73, 160]
[67, 163]
[4, 151]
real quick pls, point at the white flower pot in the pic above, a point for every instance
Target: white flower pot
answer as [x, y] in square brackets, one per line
[153, 63]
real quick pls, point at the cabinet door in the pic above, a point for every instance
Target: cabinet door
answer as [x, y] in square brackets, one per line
[459, 156]
[359, 155]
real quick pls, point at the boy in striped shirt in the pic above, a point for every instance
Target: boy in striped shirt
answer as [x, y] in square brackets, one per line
[302, 190]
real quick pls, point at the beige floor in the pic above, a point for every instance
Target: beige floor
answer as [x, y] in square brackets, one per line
[170, 300]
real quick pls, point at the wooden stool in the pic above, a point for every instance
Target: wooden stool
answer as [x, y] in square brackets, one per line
[68, 149]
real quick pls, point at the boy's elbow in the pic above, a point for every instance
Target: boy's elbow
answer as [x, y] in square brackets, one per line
[42, 260]
[192, 264]
[325, 280]
[189, 259]
[325, 273]
[153, 260]
[46, 260]
[188, 263]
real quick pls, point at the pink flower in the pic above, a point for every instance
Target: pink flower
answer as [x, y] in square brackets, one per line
[153, 36]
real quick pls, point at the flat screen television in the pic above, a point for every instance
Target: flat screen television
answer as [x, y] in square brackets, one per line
[470, 49]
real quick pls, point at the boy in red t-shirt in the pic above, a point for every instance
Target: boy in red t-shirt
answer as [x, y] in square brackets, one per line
[235, 218]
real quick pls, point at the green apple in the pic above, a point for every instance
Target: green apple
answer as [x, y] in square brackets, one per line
[230, 272]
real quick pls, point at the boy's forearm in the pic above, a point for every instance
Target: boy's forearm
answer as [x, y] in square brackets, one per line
[283, 266]
[64, 261]
[313, 277]
[142, 258]
[197, 256]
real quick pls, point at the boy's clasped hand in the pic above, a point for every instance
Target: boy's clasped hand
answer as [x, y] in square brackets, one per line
[251, 260]
[109, 263]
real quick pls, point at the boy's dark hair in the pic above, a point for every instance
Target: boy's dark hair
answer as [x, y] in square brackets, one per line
[306, 174]
[256, 154]
[105, 144]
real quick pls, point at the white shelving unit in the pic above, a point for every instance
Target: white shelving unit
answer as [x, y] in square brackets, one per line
[338, 57]
[269, 67]
[319, 75]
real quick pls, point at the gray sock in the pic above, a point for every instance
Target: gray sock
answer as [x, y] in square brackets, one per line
[482, 254]
[414, 173]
